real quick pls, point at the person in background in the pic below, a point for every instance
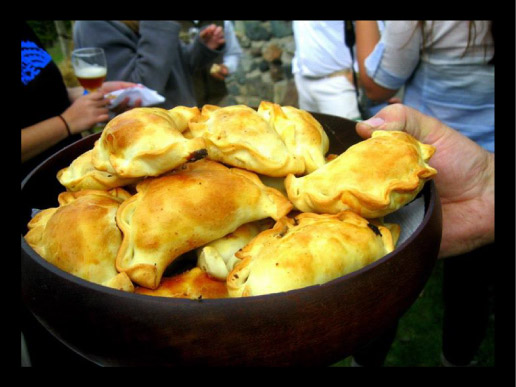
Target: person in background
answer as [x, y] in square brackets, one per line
[209, 81]
[370, 107]
[56, 115]
[322, 68]
[151, 53]
[447, 71]
[54, 118]
[445, 67]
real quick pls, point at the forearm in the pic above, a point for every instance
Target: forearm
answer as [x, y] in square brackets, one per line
[41, 136]
[74, 93]
[367, 36]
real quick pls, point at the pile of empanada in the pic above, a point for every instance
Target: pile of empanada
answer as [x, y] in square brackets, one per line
[251, 193]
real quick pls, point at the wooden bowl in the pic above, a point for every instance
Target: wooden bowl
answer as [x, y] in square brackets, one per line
[313, 326]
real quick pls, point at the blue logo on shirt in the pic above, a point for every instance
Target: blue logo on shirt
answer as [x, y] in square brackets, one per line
[33, 59]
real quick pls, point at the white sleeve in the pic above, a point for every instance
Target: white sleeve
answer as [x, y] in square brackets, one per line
[233, 51]
[396, 55]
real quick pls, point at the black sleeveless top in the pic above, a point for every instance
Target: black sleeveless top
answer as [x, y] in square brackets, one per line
[43, 92]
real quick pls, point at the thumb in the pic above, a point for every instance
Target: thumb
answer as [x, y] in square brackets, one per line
[391, 117]
[422, 127]
[367, 127]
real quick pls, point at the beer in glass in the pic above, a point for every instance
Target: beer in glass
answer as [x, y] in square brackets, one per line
[90, 68]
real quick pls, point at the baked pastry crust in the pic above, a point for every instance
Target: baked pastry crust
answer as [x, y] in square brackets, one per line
[238, 136]
[81, 236]
[217, 258]
[272, 141]
[196, 204]
[194, 284]
[302, 134]
[147, 142]
[82, 175]
[307, 250]
[372, 178]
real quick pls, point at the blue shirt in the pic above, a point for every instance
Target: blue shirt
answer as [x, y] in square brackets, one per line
[444, 80]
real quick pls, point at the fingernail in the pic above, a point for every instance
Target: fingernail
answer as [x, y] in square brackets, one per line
[374, 121]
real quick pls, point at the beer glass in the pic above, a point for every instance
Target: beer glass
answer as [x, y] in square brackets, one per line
[89, 66]
[90, 69]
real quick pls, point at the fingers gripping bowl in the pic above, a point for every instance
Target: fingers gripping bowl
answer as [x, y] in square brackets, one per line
[315, 325]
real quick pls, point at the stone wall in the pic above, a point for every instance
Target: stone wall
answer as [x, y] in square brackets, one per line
[265, 69]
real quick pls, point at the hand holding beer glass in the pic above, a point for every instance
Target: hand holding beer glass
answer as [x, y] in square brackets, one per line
[90, 68]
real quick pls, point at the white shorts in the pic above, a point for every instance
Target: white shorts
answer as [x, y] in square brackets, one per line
[332, 95]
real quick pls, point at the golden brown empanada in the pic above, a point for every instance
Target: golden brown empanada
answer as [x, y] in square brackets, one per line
[194, 284]
[372, 178]
[81, 236]
[309, 249]
[182, 115]
[198, 203]
[217, 258]
[147, 142]
[238, 136]
[82, 175]
[303, 135]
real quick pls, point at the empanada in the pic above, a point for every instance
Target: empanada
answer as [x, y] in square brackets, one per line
[81, 236]
[372, 178]
[238, 136]
[147, 142]
[198, 203]
[194, 284]
[309, 249]
[82, 175]
[217, 258]
[302, 134]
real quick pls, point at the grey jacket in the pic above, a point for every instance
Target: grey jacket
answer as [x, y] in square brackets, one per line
[155, 57]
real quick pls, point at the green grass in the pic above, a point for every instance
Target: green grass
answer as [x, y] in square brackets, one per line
[418, 339]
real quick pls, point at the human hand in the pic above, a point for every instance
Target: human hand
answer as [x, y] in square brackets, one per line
[464, 180]
[212, 36]
[219, 71]
[110, 86]
[87, 111]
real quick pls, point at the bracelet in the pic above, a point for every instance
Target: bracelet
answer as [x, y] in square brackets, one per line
[66, 124]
